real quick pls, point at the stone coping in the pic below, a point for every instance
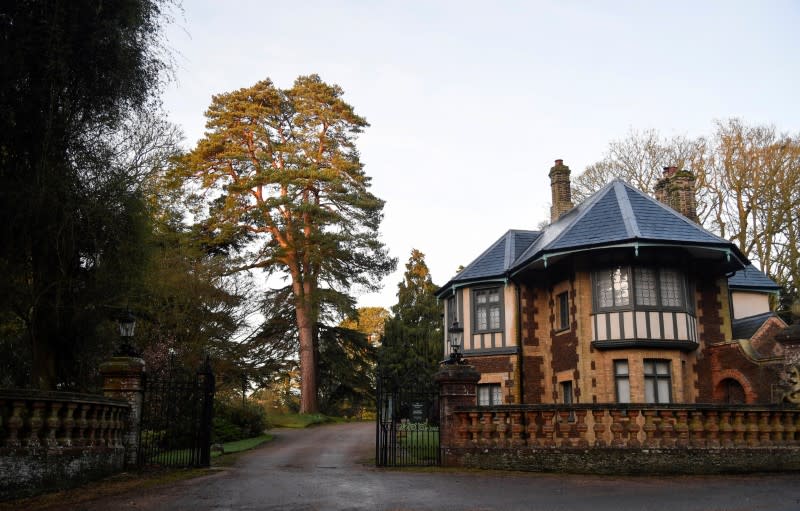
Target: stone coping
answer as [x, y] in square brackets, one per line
[53, 395]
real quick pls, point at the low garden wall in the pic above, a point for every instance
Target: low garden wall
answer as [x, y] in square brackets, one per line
[625, 439]
[55, 439]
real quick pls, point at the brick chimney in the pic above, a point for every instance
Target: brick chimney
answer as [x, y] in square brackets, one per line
[560, 189]
[676, 190]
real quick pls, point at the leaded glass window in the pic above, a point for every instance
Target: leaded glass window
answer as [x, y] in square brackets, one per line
[645, 286]
[487, 309]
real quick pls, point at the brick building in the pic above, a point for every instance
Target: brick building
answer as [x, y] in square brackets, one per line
[623, 298]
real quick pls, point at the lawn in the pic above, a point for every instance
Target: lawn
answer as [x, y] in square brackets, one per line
[301, 420]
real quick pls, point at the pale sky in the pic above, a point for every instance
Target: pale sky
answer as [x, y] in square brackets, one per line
[471, 102]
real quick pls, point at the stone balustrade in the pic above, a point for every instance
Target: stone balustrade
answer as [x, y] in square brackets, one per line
[626, 426]
[34, 419]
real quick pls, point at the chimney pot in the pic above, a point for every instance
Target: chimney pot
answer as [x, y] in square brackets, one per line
[559, 162]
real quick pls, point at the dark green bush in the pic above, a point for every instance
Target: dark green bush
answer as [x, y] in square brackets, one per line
[232, 421]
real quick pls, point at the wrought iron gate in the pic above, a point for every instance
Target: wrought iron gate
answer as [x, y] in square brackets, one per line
[177, 409]
[407, 432]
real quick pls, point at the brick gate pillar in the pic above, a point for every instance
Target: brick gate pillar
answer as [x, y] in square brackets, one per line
[458, 385]
[123, 379]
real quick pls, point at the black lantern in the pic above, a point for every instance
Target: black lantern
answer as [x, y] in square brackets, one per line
[127, 326]
[456, 334]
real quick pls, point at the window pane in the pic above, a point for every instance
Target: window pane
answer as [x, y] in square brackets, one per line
[621, 295]
[649, 390]
[494, 295]
[671, 288]
[663, 390]
[623, 390]
[648, 368]
[481, 319]
[646, 287]
[604, 295]
[494, 317]
[480, 296]
[621, 367]
[662, 368]
[483, 395]
[497, 395]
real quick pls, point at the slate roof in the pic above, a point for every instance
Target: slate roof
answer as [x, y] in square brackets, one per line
[619, 213]
[616, 214]
[744, 328]
[752, 278]
[499, 257]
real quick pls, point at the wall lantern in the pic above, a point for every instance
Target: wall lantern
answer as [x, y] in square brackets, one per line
[456, 334]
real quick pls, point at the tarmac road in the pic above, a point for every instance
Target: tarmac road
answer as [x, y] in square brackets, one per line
[329, 468]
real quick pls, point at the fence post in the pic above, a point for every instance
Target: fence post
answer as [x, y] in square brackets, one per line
[457, 387]
[123, 379]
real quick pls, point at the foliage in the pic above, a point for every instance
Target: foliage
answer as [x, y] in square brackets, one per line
[748, 186]
[346, 372]
[369, 321]
[72, 216]
[412, 346]
[282, 165]
[232, 421]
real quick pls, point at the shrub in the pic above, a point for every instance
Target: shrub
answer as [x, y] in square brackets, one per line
[232, 421]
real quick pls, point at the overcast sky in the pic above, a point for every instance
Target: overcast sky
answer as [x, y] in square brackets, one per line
[470, 102]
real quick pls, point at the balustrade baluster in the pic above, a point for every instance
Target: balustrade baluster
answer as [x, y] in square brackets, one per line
[777, 429]
[488, 429]
[80, 425]
[532, 428]
[789, 429]
[102, 430]
[516, 429]
[67, 425]
[564, 427]
[712, 429]
[617, 428]
[649, 428]
[14, 424]
[726, 429]
[581, 428]
[739, 429]
[35, 423]
[53, 424]
[599, 428]
[697, 430]
[502, 428]
[682, 428]
[666, 429]
[764, 430]
[752, 429]
[548, 428]
[632, 429]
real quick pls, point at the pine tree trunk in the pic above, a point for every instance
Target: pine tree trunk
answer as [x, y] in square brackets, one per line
[308, 360]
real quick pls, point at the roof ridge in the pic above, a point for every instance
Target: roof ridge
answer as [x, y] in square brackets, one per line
[628, 216]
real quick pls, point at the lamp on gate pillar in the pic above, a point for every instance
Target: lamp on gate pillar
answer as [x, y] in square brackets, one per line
[456, 334]
[127, 326]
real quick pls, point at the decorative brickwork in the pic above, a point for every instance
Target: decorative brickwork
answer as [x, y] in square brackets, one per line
[710, 312]
[529, 314]
[534, 379]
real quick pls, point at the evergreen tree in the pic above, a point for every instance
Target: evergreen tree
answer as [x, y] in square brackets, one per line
[413, 345]
[283, 167]
[73, 73]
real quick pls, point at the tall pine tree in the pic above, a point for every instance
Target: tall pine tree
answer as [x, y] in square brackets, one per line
[282, 166]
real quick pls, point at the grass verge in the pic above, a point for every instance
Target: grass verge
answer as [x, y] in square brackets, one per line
[301, 420]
